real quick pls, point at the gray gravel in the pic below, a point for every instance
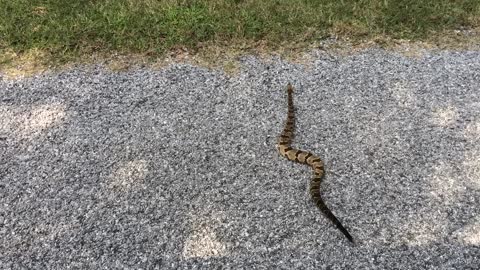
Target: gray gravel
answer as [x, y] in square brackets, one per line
[177, 169]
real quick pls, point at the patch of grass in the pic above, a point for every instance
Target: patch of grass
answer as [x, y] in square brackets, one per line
[65, 30]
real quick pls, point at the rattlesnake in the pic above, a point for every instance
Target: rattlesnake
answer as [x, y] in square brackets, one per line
[284, 147]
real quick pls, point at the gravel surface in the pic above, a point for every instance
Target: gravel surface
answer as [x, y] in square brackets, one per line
[177, 168]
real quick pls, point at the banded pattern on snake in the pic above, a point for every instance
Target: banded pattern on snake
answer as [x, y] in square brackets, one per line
[284, 147]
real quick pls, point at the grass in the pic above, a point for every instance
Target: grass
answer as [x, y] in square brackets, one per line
[68, 30]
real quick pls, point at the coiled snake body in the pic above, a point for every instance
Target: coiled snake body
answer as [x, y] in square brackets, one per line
[284, 147]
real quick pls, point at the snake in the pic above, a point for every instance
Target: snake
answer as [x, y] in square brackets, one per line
[284, 147]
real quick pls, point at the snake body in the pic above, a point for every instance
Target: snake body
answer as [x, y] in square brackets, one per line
[284, 147]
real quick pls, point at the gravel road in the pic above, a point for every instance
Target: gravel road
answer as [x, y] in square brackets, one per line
[176, 168]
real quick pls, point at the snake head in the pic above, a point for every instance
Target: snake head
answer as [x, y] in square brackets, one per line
[289, 88]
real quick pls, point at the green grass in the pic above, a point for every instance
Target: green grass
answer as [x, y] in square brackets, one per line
[65, 28]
